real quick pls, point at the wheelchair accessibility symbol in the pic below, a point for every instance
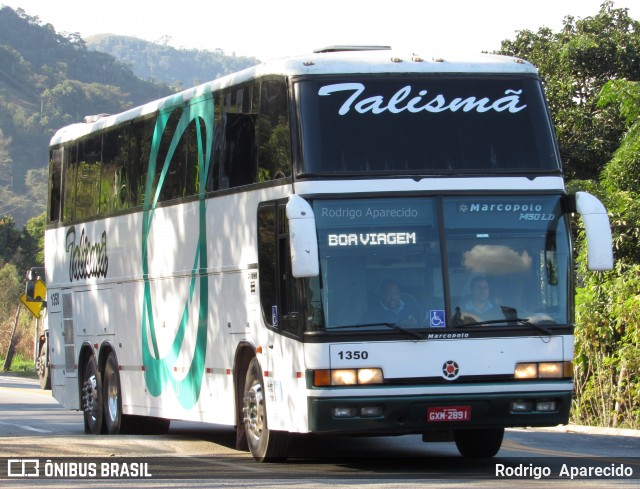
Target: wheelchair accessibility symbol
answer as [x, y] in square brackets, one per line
[437, 318]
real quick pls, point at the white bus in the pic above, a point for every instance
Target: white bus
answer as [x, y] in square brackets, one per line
[358, 241]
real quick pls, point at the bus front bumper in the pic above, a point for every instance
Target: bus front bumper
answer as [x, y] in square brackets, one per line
[419, 414]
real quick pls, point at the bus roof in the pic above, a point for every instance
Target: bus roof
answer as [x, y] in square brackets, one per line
[331, 60]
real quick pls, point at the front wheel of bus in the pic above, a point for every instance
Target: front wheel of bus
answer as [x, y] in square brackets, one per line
[479, 443]
[265, 445]
[92, 397]
[112, 396]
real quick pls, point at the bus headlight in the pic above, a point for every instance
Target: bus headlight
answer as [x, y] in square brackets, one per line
[347, 376]
[550, 370]
[544, 370]
[344, 377]
[526, 371]
[369, 376]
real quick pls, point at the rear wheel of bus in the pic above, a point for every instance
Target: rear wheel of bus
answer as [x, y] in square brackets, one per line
[112, 396]
[92, 397]
[116, 422]
[264, 444]
[42, 368]
[479, 443]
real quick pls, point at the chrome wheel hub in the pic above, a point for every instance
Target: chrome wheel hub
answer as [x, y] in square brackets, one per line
[254, 411]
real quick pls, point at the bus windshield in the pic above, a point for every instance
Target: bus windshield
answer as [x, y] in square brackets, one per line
[502, 261]
[417, 125]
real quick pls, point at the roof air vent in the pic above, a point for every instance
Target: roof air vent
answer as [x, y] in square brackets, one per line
[90, 119]
[339, 48]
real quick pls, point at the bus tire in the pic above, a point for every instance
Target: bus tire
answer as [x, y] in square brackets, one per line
[264, 444]
[42, 368]
[478, 443]
[92, 397]
[112, 396]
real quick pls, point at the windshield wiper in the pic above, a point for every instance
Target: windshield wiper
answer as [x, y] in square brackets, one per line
[526, 322]
[510, 317]
[388, 325]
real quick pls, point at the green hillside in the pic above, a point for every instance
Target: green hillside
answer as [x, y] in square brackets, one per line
[176, 67]
[49, 80]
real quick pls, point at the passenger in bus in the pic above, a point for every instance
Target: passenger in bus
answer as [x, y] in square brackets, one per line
[393, 307]
[480, 303]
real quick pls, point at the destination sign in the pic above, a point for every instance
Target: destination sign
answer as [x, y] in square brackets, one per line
[372, 239]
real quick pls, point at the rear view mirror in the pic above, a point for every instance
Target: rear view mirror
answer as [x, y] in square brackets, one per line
[302, 238]
[598, 230]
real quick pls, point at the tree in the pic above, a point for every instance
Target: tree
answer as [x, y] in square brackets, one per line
[10, 288]
[6, 162]
[31, 251]
[9, 239]
[608, 304]
[621, 177]
[575, 64]
[591, 70]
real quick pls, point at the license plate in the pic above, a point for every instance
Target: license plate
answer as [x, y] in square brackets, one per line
[447, 414]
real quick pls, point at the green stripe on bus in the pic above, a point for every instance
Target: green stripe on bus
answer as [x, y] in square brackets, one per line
[158, 370]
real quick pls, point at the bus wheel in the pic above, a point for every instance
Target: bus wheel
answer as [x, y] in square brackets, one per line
[479, 443]
[92, 397]
[265, 445]
[112, 396]
[42, 368]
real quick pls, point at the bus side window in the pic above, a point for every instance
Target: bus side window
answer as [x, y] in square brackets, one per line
[180, 177]
[69, 188]
[190, 183]
[237, 145]
[137, 148]
[168, 177]
[240, 159]
[274, 150]
[109, 181]
[55, 184]
[213, 178]
[88, 178]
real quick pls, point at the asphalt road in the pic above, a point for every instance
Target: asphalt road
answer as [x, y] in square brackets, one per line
[34, 427]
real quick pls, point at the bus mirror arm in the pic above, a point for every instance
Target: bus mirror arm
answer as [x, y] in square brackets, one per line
[303, 239]
[30, 289]
[598, 231]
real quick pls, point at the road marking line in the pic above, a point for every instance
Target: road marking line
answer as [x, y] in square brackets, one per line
[25, 427]
[39, 392]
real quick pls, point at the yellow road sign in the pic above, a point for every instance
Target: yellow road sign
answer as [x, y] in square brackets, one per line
[35, 304]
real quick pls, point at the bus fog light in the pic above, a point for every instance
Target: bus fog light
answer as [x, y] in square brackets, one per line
[371, 411]
[344, 412]
[522, 406]
[546, 406]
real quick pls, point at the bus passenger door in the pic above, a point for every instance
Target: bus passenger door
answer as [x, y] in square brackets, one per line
[279, 290]
[289, 298]
[281, 312]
